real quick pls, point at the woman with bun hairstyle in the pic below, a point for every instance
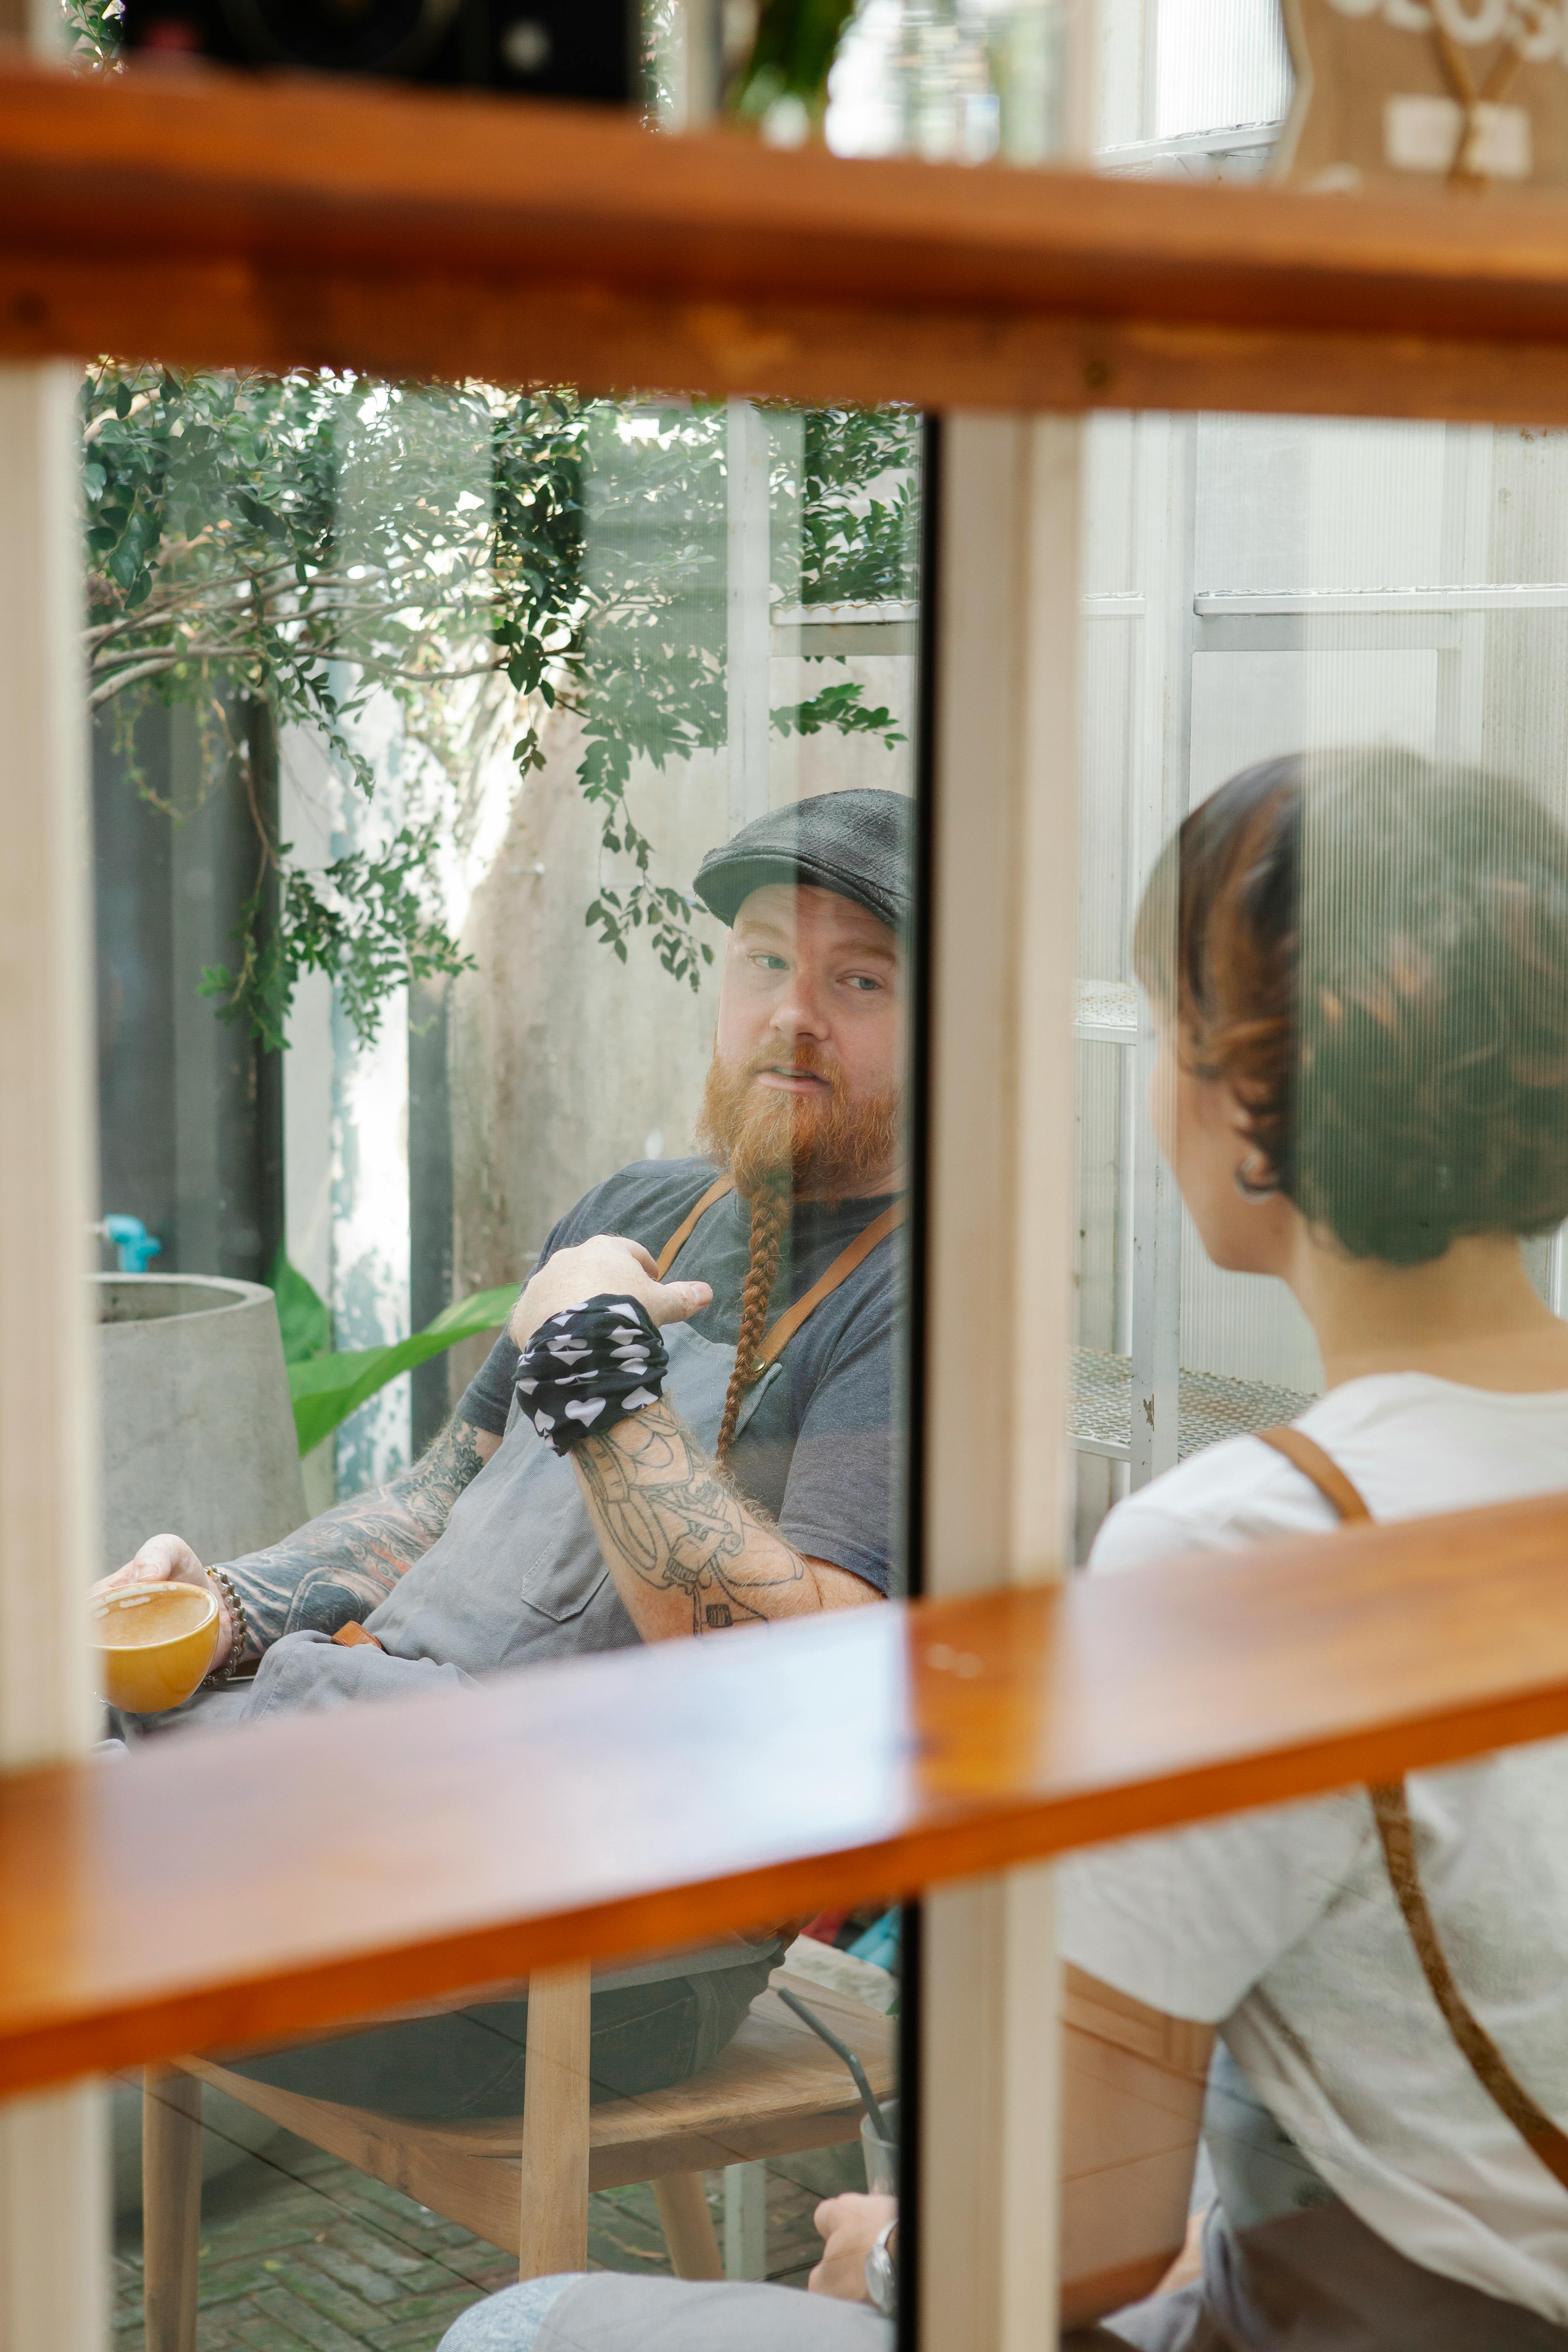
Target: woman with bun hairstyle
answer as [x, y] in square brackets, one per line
[1358, 963]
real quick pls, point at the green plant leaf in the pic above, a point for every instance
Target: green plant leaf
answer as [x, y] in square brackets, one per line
[327, 1389]
[304, 1319]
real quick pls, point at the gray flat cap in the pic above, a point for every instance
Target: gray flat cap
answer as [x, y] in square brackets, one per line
[860, 844]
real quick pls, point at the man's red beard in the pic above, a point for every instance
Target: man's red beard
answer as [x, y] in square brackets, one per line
[820, 1146]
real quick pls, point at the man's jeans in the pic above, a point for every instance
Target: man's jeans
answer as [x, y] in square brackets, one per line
[468, 2065]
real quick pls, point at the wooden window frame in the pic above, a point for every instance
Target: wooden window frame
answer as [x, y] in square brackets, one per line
[971, 1736]
[273, 223]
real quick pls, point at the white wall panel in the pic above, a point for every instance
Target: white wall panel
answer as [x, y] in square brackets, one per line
[1220, 63]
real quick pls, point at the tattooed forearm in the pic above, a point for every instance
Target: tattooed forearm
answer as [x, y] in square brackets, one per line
[341, 1565]
[668, 1518]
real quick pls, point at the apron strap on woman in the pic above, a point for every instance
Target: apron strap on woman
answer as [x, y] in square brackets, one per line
[1396, 1835]
[1309, 1457]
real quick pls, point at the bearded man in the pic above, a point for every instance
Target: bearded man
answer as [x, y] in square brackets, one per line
[758, 1486]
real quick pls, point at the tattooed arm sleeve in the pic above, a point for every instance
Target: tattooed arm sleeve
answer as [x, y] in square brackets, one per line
[337, 1566]
[689, 1555]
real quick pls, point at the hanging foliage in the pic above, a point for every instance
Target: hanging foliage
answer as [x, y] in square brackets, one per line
[311, 541]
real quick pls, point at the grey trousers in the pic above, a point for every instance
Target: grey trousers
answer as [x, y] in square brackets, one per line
[1317, 2281]
[609, 2312]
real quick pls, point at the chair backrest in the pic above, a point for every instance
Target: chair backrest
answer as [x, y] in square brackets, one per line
[1135, 2080]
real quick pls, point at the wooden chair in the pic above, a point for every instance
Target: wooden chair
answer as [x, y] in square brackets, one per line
[522, 2182]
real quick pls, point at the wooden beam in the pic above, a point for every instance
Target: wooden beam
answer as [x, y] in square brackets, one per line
[204, 218]
[245, 1888]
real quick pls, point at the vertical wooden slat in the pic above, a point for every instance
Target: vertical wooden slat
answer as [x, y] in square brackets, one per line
[999, 1291]
[48, 1405]
[554, 2235]
[53, 2226]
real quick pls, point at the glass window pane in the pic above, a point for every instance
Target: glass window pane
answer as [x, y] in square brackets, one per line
[504, 855]
[1321, 1157]
[1324, 1160]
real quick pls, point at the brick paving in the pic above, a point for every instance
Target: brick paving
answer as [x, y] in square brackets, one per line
[302, 2253]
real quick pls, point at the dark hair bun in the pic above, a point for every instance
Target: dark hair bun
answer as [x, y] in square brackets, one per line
[1370, 949]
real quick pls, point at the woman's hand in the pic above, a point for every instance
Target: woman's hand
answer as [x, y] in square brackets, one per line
[169, 1560]
[848, 2227]
[607, 1262]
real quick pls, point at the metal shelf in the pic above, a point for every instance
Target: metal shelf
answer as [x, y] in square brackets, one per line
[1208, 1407]
[1105, 1012]
[817, 630]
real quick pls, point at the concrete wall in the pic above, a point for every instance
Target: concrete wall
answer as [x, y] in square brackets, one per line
[564, 1062]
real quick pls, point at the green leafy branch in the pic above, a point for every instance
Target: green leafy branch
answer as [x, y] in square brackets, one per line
[299, 545]
[841, 706]
[367, 928]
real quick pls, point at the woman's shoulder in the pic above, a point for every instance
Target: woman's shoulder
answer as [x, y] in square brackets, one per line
[1411, 1443]
[1236, 1493]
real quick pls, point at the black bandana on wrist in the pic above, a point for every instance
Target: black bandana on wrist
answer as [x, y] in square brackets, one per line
[585, 1367]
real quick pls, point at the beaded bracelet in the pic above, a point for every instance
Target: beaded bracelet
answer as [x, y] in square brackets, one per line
[238, 1631]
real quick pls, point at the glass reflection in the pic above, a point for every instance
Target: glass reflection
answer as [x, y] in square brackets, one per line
[504, 860]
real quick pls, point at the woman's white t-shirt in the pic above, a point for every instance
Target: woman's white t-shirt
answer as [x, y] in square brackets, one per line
[1280, 1925]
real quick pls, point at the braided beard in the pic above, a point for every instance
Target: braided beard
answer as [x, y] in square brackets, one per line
[778, 1145]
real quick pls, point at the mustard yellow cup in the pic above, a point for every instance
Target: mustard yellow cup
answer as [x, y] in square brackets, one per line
[153, 1644]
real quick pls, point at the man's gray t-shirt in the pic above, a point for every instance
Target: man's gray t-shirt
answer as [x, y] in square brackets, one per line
[818, 1454]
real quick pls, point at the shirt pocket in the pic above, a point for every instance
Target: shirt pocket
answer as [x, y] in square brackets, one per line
[560, 1596]
[562, 1567]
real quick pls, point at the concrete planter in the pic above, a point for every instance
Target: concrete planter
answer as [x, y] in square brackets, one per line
[198, 1432]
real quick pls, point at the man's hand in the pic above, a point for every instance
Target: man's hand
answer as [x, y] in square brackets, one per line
[848, 2227]
[607, 1262]
[169, 1560]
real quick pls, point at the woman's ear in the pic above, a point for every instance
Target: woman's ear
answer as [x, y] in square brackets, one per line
[1255, 1179]
[1227, 1181]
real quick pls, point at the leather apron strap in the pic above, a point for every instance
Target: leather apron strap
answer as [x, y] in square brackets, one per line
[687, 1226]
[843, 1267]
[354, 1636]
[1325, 1471]
[1396, 1834]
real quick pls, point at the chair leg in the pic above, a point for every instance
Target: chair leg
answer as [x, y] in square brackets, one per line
[688, 2230]
[171, 2206]
[554, 2235]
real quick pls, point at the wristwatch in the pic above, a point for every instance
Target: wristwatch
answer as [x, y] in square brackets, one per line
[882, 2269]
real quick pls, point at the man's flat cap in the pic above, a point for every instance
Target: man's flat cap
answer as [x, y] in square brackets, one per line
[860, 844]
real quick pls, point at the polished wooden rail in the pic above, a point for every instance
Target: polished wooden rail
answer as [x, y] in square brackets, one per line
[259, 1883]
[205, 218]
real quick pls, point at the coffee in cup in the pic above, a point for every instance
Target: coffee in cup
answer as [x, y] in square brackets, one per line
[153, 1644]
